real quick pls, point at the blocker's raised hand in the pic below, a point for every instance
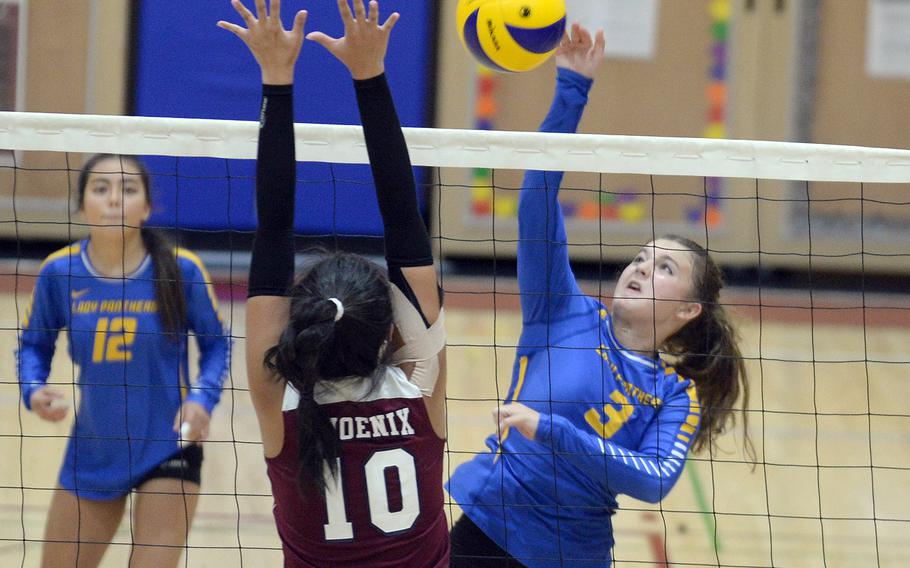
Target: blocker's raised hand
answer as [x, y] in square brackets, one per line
[363, 47]
[275, 48]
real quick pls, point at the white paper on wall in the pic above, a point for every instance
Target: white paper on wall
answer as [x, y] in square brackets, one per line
[630, 25]
[888, 39]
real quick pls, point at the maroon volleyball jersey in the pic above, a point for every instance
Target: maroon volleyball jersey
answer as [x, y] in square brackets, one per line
[385, 508]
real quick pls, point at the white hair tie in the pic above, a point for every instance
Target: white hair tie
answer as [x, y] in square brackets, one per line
[339, 308]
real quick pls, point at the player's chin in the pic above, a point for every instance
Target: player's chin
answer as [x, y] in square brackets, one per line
[636, 309]
[634, 304]
[118, 226]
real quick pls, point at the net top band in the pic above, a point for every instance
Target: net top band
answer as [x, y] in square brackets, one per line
[463, 148]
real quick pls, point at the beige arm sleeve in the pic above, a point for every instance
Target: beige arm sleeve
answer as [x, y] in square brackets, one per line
[420, 344]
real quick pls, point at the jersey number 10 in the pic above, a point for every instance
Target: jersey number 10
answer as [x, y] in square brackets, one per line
[339, 528]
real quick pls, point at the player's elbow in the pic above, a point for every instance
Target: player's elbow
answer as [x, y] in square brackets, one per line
[652, 494]
[654, 490]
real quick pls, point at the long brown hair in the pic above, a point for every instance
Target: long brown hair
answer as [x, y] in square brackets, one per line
[706, 350]
[168, 283]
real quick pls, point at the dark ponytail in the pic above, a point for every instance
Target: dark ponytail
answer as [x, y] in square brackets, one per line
[168, 283]
[314, 347]
[707, 351]
[295, 358]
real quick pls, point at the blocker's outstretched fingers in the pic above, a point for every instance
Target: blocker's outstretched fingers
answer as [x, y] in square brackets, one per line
[299, 22]
[245, 14]
[373, 15]
[260, 10]
[238, 31]
[360, 13]
[275, 49]
[362, 49]
[346, 16]
[390, 22]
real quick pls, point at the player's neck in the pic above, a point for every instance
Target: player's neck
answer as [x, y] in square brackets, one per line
[639, 339]
[115, 254]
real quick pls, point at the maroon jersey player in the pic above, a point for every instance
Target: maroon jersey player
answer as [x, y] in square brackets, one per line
[387, 495]
[354, 445]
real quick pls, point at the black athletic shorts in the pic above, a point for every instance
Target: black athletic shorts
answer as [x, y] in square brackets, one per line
[471, 548]
[185, 464]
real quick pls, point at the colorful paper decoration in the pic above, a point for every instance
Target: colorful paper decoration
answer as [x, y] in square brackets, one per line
[482, 202]
[716, 95]
[632, 212]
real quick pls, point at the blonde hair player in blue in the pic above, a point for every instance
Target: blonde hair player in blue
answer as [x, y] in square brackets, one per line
[594, 409]
[127, 300]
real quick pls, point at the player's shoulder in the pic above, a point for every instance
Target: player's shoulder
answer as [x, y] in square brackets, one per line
[677, 383]
[190, 264]
[392, 385]
[61, 261]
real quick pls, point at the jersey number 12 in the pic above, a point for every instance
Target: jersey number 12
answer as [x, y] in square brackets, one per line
[339, 528]
[113, 339]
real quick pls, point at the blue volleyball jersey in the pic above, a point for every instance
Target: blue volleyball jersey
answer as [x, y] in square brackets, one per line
[612, 421]
[132, 376]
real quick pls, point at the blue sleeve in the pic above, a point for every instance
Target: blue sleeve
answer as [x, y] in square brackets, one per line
[41, 323]
[214, 343]
[648, 473]
[544, 275]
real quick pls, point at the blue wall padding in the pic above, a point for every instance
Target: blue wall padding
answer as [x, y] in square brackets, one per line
[190, 68]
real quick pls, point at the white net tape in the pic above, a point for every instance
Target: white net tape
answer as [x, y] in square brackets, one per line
[464, 148]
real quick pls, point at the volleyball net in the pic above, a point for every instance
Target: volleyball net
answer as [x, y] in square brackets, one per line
[813, 238]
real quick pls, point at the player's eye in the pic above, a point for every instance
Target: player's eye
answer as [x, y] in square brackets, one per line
[131, 190]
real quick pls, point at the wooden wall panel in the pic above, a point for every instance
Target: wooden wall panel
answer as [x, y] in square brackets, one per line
[75, 63]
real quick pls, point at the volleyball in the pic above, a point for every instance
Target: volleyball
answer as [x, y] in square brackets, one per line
[511, 35]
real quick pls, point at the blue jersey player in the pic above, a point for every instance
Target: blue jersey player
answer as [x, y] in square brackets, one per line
[594, 410]
[127, 301]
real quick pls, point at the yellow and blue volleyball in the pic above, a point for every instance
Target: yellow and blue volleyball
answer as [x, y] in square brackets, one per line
[511, 35]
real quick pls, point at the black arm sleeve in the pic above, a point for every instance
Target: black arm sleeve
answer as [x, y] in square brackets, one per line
[406, 240]
[272, 264]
